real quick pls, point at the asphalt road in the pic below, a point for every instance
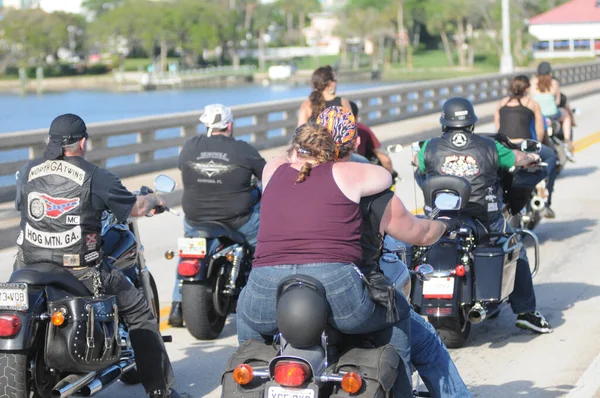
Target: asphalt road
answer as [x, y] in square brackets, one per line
[499, 359]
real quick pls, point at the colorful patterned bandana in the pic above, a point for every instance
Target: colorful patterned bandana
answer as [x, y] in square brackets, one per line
[340, 123]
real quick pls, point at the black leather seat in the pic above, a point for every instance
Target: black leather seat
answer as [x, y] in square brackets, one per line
[215, 229]
[50, 275]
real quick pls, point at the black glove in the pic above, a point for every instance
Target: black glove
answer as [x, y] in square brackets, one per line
[451, 224]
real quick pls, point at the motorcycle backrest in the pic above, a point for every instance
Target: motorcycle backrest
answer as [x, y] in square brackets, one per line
[435, 185]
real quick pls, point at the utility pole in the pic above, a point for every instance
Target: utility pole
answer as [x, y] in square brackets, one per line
[506, 62]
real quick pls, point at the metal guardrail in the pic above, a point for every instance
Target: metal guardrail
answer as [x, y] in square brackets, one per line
[145, 146]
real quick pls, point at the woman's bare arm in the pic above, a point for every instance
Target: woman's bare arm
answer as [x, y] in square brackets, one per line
[304, 113]
[400, 224]
[357, 180]
[539, 120]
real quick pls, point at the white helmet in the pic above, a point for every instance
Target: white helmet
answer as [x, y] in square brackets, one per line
[216, 116]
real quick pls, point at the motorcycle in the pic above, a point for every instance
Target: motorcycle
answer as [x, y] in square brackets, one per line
[56, 338]
[213, 268]
[308, 358]
[474, 269]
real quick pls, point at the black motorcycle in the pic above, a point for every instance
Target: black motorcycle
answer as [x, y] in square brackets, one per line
[309, 359]
[474, 268]
[213, 268]
[56, 338]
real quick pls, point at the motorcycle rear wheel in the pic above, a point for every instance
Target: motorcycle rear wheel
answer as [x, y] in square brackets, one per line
[454, 331]
[13, 375]
[199, 314]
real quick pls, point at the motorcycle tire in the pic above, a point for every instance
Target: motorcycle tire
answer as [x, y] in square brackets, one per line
[453, 331]
[199, 315]
[13, 379]
[132, 377]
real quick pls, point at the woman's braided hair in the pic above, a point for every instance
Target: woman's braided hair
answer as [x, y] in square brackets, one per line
[312, 142]
[320, 79]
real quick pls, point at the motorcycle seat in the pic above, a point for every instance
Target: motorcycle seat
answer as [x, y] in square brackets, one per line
[215, 229]
[46, 274]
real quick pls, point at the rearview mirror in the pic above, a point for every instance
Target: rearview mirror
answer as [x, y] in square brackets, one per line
[394, 148]
[164, 183]
[424, 272]
[447, 201]
[531, 146]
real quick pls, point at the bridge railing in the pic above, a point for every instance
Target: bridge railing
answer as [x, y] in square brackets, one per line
[143, 145]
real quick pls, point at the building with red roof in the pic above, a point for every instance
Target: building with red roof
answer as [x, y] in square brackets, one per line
[568, 31]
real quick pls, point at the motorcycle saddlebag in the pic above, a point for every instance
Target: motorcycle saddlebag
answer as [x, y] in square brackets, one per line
[88, 339]
[253, 353]
[494, 268]
[378, 366]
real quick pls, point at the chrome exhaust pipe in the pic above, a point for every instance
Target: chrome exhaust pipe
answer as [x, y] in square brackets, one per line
[107, 377]
[477, 314]
[537, 204]
[71, 384]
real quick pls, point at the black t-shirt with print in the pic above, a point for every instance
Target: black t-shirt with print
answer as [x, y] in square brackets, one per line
[217, 173]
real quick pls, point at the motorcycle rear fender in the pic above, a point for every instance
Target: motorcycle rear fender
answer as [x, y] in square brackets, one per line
[444, 257]
[29, 322]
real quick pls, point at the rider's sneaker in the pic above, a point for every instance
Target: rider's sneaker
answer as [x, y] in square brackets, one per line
[176, 317]
[569, 149]
[549, 212]
[533, 321]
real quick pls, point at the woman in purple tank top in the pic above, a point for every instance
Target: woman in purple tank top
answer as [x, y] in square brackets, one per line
[310, 224]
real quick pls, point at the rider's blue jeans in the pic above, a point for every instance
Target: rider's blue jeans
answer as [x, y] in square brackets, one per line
[352, 310]
[249, 230]
[427, 351]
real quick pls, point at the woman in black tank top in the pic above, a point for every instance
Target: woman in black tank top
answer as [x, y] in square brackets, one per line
[324, 85]
[518, 116]
[514, 117]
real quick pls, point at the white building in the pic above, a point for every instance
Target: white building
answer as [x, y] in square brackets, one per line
[72, 6]
[568, 31]
[19, 4]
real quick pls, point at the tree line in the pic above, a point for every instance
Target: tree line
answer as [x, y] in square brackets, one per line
[189, 28]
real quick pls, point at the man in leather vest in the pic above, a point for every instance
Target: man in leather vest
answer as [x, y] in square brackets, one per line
[61, 199]
[462, 153]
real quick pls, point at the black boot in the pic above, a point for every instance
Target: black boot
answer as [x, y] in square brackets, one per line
[175, 317]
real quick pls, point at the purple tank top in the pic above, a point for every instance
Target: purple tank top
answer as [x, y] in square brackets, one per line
[309, 222]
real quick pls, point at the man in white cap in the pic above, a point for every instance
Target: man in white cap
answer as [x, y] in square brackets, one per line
[217, 171]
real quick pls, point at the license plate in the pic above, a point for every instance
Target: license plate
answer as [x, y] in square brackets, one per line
[441, 288]
[13, 296]
[280, 392]
[192, 247]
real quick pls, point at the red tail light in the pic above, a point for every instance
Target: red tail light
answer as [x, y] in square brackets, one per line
[291, 374]
[188, 268]
[9, 325]
[460, 270]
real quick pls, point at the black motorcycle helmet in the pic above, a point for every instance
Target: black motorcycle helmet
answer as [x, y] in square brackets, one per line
[302, 311]
[458, 113]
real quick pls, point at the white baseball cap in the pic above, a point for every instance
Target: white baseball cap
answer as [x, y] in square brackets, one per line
[216, 116]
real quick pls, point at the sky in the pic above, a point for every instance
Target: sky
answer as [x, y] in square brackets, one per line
[61, 5]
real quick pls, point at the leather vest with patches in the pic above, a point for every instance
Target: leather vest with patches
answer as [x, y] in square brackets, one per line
[58, 222]
[475, 158]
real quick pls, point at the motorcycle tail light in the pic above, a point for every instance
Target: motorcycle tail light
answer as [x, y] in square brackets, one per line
[351, 383]
[460, 270]
[243, 374]
[9, 325]
[291, 374]
[188, 268]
